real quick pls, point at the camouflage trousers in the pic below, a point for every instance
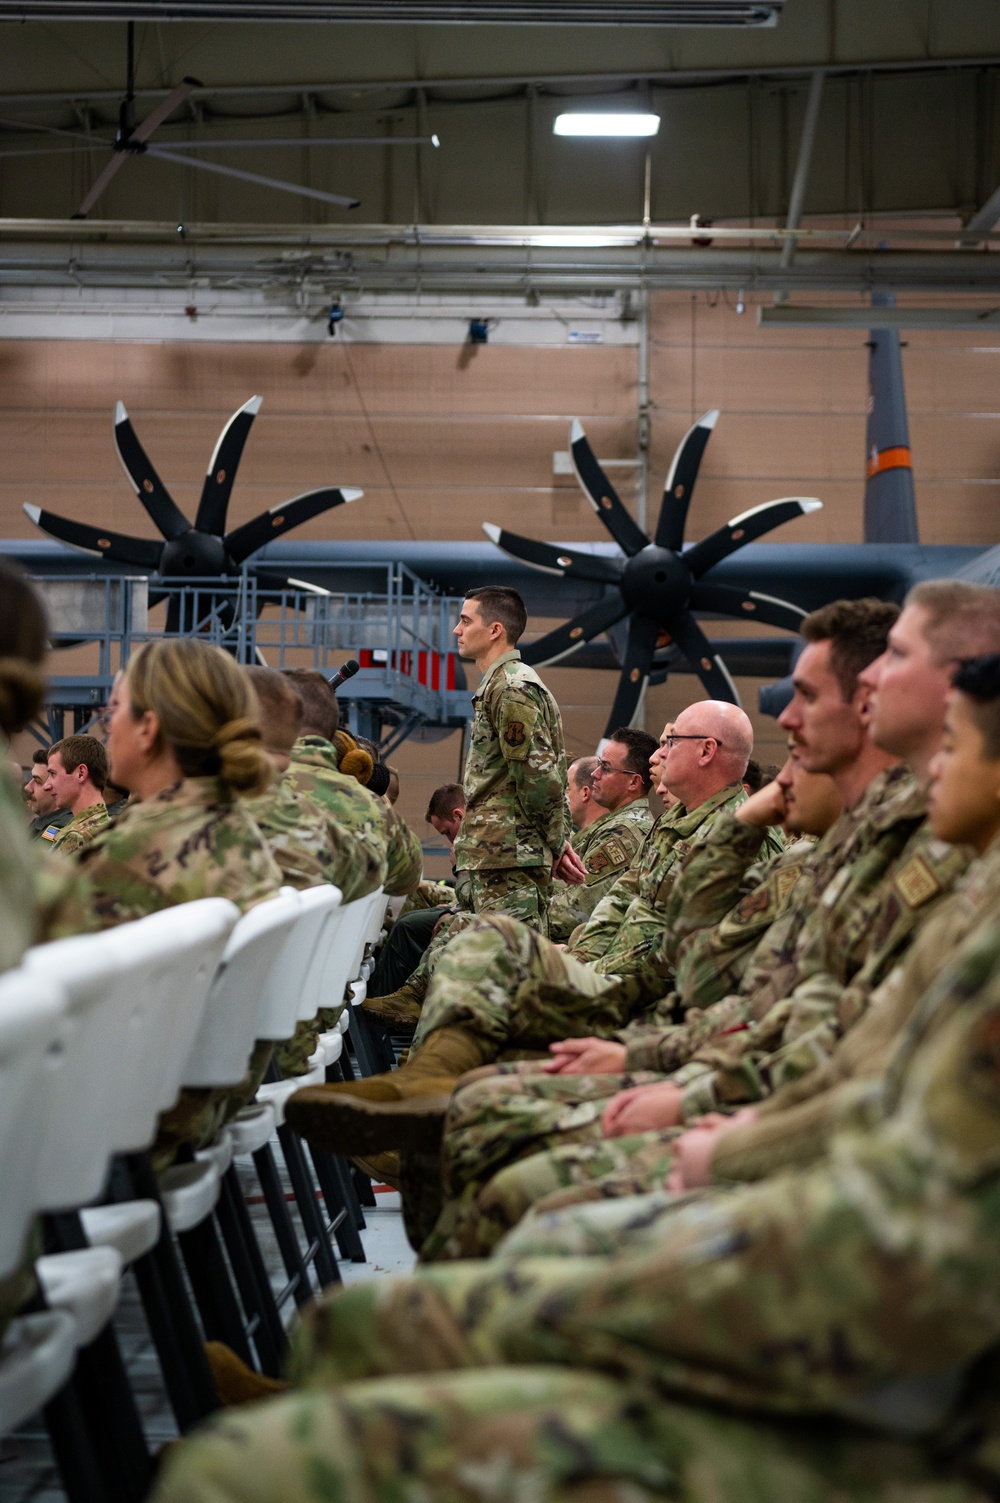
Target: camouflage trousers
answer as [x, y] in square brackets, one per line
[535, 1435]
[520, 892]
[475, 986]
[428, 894]
[516, 1136]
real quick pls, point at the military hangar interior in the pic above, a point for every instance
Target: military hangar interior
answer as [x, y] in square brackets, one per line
[632, 284]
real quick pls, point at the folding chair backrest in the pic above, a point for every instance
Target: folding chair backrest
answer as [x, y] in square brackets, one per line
[79, 1129]
[221, 1047]
[31, 1014]
[172, 957]
[286, 984]
[346, 955]
[313, 995]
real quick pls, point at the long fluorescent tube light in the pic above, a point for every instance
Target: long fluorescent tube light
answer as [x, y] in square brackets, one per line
[606, 124]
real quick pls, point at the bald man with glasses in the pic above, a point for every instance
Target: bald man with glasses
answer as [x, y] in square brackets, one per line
[618, 802]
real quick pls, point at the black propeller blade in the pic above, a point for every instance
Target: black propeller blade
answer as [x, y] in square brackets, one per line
[709, 667]
[222, 467]
[656, 585]
[282, 518]
[602, 495]
[744, 529]
[583, 628]
[638, 664]
[553, 560]
[680, 482]
[145, 481]
[113, 545]
[727, 601]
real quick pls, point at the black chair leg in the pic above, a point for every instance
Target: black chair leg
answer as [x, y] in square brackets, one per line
[338, 1206]
[363, 1187]
[209, 1278]
[288, 1243]
[319, 1253]
[178, 1341]
[69, 1433]
[251, 1276]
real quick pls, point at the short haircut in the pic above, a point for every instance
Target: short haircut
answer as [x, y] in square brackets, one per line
[979, 680]
[759, 774]
[280, 703]
[85, 751]
[640, 746]
[583, 772]
[320, 711]
[499, 603]
[445, 800]
[40, 754]
[963, 620]
[858, 632]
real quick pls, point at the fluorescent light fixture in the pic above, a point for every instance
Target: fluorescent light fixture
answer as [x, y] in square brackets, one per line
[631, 123]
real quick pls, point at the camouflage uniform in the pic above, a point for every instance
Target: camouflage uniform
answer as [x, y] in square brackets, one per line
[428, 894]
[543, 1136]
[189, 841]
[607, 849]
[81, 829]
[853, 1309]
[516, 819]
[49, 825]
[386, 849]
[477, 983]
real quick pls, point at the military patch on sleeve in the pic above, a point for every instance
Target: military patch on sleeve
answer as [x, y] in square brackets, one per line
[916, 883]
[50, 832]
[749, 907]
[514, 733]
[597, 863]
[785, 880]
[617, 853]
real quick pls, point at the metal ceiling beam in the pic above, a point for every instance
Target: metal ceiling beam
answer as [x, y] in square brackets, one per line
[806, 143]
[802, 317]
[687, 13]
[677, 77]
[461, 259]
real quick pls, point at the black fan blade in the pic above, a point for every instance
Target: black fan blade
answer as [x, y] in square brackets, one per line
[602, 495]
[115, 545]
[145, 481]
[101, 182]
[748, 603]
[222, 466]
[680, 482]
[565, 639]
[565, 562]
[638, 664]
[744, 529]
[699, 652]
[282, 518]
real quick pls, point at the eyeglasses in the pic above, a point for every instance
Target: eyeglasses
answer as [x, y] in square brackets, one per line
[606, 768]
[671, 741]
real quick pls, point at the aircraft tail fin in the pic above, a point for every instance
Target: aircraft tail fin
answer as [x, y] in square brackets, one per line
[890, 505]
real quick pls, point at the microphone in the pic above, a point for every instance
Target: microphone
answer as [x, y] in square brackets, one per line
[345, 671]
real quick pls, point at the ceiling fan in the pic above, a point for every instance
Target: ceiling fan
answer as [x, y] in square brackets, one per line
[202, 551]
[657, 585]
[133, 140]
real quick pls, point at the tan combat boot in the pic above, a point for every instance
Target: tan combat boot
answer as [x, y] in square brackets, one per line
[400, 1009]
[404, 1107]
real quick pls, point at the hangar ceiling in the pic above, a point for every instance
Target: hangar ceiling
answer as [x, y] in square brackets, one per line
[907, 133]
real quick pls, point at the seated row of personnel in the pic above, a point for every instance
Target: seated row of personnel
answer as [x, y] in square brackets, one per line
[235, 790]
[843, 1307]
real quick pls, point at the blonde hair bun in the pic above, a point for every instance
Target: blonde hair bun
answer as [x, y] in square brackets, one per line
[243, 762]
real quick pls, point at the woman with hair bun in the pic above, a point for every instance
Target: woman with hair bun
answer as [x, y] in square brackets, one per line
[184, 740]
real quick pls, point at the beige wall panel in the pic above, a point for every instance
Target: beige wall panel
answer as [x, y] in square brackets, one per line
[755, 379]
[959, 511]
[952, 448]
[776, 444]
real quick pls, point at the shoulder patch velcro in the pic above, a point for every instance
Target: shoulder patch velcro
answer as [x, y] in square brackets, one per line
[785, 880]
[916, 883]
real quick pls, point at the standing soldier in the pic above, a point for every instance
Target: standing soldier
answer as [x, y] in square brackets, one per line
[515, 834]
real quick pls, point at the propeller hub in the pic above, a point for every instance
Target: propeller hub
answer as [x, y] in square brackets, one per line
[656, 583]
[196, 554]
